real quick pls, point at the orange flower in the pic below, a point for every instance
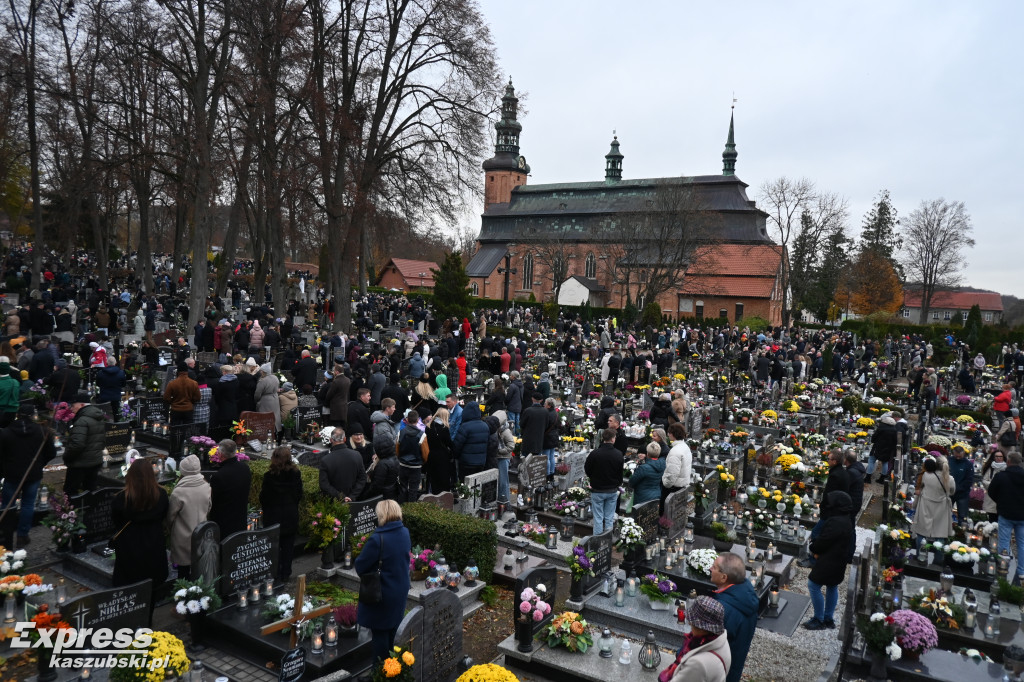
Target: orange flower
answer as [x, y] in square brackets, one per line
[576, 628]
[33, 579]
[408, 658]
[49, 621]
[392, 667]
[10, 579]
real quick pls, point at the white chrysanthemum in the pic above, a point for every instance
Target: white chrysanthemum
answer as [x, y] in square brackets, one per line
[17, 565]
[20, 554]
[205, 603]
[193, 606]
[894, 651]
[5, 567]
[180, 608]
[180, 594]
[876, 617]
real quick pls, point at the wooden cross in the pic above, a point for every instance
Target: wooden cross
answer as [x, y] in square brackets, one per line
[298, 617]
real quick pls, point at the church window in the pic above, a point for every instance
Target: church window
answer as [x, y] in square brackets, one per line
[723, 314]
[643, 276]
[700, 310]
[528, 271]
[475, 289]
[591, 267]
[739, 312]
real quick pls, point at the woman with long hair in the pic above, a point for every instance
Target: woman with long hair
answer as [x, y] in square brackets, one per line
[424, 401]
[280, 496]
[438, 469]
[139, 512]
[995, 463]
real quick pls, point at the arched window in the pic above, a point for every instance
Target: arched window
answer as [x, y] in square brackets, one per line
[591, 267]
[475, 289]
[528, 271]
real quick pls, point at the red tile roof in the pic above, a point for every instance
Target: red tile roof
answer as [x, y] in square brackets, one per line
[734, 287]
[956, 300]
[411, 269]
[758, 260]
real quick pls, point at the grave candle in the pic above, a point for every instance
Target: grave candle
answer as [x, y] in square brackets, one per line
[509, 560]
[9, 605]
[243, 598]
[348, 560]
[631, 587]
[268, 588]
[317, 639]
[773, 598]
[44, 496]
[255, 593]
[62, 593]
[331, 632]
[620, 595]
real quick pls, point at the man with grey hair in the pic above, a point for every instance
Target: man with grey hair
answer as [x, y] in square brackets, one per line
[342, 475]
[737, 596]
[229, 490]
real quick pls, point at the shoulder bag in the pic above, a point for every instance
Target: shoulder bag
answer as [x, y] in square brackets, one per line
[369, 583]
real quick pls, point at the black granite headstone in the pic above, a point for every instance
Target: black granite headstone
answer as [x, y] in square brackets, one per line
[533, 472]
[601, 545]
[179, 435]
[247, 557]
[545, 576]
[363, 517]
[488, 493]
[153, 410]
[304, 416]
[293, 665]
[205, 555]
[119, 436]
[120, 607]
[676, 511]
[96, 513]
[646, 516]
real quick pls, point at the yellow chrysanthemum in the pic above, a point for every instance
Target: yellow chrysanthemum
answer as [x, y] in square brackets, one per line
[408, 658]
[392, 668]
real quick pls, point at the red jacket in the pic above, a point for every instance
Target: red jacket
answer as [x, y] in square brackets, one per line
[1001, 403]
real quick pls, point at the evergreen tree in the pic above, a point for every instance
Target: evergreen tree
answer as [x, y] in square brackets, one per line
[880, 227]
[834, 258]
[451, 288]
[972, 326]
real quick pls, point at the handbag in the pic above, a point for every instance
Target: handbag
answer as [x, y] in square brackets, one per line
[369, 583]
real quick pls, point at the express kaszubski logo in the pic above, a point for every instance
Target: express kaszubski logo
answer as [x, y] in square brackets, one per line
[69, 647]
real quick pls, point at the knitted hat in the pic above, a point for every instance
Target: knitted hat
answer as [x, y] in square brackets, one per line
[707, 614]
[251, 362]
[266, 368]
[189, 465]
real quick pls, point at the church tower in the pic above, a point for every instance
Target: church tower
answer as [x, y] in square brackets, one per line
[613, 162]
[729, 155]
[507, 169]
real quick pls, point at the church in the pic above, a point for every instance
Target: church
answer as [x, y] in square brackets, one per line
[580, 241]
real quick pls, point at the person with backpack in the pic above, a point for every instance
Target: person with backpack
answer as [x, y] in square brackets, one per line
[1008, 434]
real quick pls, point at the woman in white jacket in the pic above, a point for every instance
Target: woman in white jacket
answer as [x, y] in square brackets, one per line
[678, 464]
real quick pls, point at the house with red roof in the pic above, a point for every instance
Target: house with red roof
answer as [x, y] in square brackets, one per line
[947, 304]
[407, 275]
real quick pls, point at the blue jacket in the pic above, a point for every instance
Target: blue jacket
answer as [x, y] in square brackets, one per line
[416, 366]
[646, 480]
[741, 605]
[394, 575]
[455, 420]
[962, 471]
[471, 442]
[110, 381]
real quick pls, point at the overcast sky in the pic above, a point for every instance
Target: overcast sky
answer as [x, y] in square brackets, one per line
[922, 98]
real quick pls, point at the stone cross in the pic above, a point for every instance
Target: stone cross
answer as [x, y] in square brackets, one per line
[298, 617]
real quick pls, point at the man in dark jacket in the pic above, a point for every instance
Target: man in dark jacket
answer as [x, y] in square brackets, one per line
[1005, 489]
[358, 412]
[24, 450]
[534, 425]
[83, 452]
[962, 471]
[856, 475]
[604, 468]
[342, 474]
[830, 550]
[738, 598]
[229, 491]
[111, 380]
[514, 397]
[470, 445]
[305, 371]
[883, 447]
[838, 481]
[64, 382]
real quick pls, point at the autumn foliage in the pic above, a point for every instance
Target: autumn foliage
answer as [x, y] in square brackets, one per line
[869, 285]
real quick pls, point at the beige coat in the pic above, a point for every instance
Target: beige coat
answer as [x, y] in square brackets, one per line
[289, 401]
[189, 505]
[933, 517]
[708, 663]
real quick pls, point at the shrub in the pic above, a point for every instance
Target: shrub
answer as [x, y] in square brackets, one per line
[756, 324]
[461, 537]
[310, 487]
[651, 316]
[954, 412]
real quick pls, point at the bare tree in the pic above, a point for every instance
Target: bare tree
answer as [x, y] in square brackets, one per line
[785, 201]
[935, 235]
[553, 251]
[660, 241]
[822, 223]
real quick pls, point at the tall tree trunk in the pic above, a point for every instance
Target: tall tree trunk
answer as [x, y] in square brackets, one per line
[181, 226]
[144, 262]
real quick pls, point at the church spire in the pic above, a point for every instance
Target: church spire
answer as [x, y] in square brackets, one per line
[508, 127]
[613, 161]
[729, 155]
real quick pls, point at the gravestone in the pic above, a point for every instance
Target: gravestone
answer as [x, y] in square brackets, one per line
[533, 472]
[248, 556]
[205, 555]
[485, 485]
[96, 513]
[179, 435]
[206, 358]
[576, 462]
[676, 511]
[646, 516]
[293, 665]
[730, 398]
[363, 517]
[306, 415]
[433, 633]
[533, 577]
[121, 607]
[119, 436]
[445, 500]
[260, 423]
[153, 410]
[601, 545]
[714, 417]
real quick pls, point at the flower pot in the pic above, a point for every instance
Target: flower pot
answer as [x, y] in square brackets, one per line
[576, 589]
[420, 574]
[348, 630]
[45, 672]
[659, 605]
[722, 546]
[878, 666]
[912, 654]
[524, 635]
[197, 628]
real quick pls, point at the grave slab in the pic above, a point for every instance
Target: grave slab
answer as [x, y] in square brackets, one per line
[468, 596]
[635, 617]
[563, 665]
[789, 619]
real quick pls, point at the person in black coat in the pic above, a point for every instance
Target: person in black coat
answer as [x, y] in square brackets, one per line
[387, 549]
[359, 413]
[64, 382]
[383, 472]
[831, 550]
[280, 496]
[534, 424]
[883, 447]
[139, 511]
[229, 488]
[856, 474]
[25, 448]
[305, 371]
[607, 410]
[342, 475]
